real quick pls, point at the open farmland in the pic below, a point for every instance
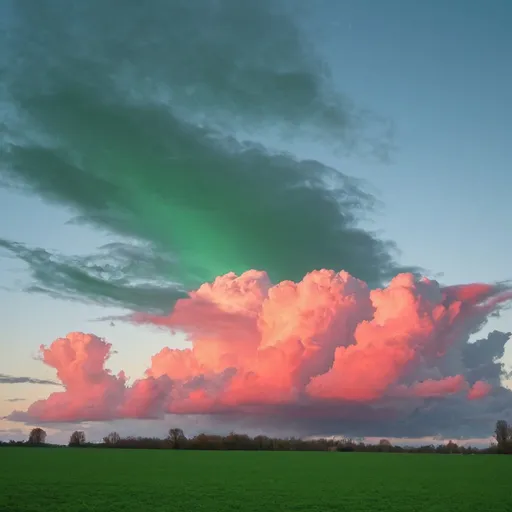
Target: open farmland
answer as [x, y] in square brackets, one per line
[65, 479]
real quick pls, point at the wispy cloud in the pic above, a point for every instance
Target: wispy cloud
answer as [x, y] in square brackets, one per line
[190, 176]
[12, 379]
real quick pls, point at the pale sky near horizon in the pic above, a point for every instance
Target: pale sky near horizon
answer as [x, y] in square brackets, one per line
[439, 72]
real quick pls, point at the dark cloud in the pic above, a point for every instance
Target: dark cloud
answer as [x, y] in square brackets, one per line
[483, 358]
[119, 275]
[12, 379]
[451, 417]
[15, 399]
[148, 122]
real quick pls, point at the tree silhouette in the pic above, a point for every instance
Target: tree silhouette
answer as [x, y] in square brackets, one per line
[452, 447]
[503, 436]
[176, 438]
[77, 438]
[112, 439]
[385, 445]
[37, 436]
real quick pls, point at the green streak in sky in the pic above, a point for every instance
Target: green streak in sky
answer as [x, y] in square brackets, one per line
[135, 128]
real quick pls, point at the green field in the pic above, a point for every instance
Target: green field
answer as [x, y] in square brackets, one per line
[75, 480]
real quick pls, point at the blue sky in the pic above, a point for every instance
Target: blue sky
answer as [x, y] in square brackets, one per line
[439, 72]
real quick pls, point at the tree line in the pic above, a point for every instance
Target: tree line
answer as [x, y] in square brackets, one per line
[177, 440]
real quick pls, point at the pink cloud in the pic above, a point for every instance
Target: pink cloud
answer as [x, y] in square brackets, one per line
[325, 339]
[480, 389]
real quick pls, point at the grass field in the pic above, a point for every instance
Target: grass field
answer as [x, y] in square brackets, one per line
[76, 480]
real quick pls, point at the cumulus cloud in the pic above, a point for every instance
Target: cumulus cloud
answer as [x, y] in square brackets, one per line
[483, 358]
[149, 121]
[325, 352]
[149, 124]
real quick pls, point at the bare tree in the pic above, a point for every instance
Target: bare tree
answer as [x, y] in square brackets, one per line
[112, 439]
[176, 438]
[77, 438]
[37, 436]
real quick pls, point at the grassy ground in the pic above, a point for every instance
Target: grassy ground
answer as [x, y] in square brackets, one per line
[77, 480]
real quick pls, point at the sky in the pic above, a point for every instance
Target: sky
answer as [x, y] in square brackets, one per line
[181, 141]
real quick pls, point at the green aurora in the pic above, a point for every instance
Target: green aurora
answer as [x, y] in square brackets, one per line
[156, 136]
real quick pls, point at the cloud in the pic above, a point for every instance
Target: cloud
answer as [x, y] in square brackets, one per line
[149, 125]
[479, 390]
[91, 391]
[483, 358]
[119, 275]
[320, 356]
[15, 399]
[16, 434]
[163, 125]
[12, 379]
